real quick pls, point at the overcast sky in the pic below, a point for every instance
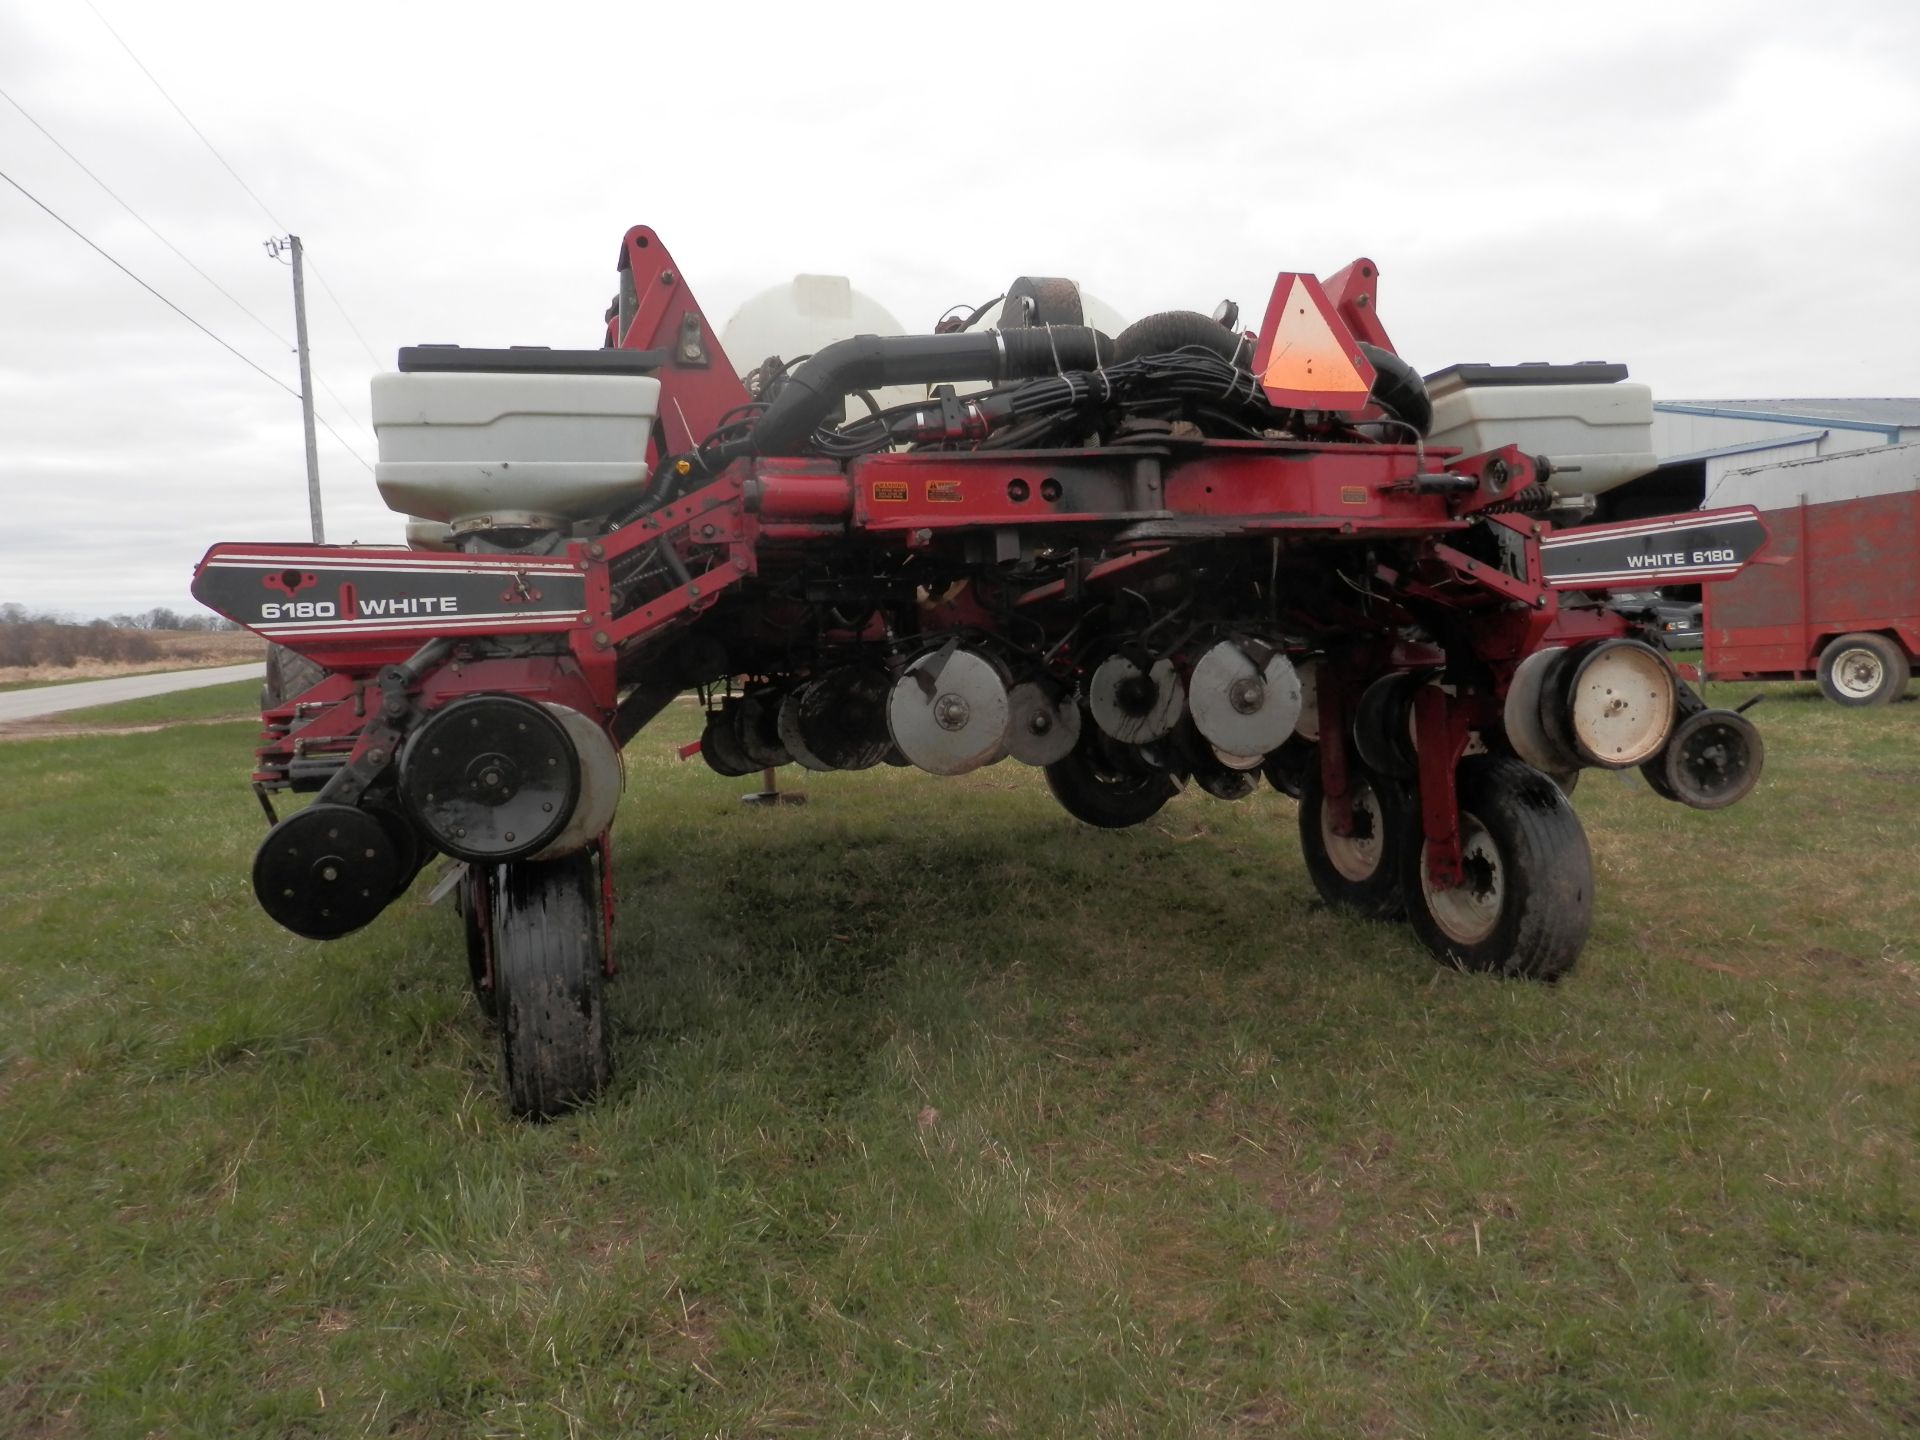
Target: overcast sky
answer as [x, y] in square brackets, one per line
[1722, 195]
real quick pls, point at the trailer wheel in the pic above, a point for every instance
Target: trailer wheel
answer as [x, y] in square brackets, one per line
[474, 900]
[1099, 786]
[1859, 670]
[1358, 872]
[1527, 903]
[550, 980]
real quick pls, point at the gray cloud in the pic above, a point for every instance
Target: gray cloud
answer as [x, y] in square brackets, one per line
[1719, 194]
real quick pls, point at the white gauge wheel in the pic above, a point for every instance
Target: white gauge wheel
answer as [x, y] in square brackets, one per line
[1244, 763]
[1525, 733]
[954, 722]
[1307, 671]
[1468, 912]
[790, 735]
[1045, 724]
[1135, 706]
[1241, 707]
[1359, 856]
[1620, 706]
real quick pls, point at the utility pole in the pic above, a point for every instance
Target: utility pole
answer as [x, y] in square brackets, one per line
[274, 247]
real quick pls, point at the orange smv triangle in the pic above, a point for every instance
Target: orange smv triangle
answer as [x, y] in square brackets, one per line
[1306, 358]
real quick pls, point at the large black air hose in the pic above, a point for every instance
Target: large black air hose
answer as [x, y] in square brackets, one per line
[1172, 330]
[812, 390]
[1398, 389]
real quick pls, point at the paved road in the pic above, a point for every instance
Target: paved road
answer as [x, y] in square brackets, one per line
[52, 699]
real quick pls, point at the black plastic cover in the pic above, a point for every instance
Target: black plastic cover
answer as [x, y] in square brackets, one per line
[1536, 372]
[528, 360]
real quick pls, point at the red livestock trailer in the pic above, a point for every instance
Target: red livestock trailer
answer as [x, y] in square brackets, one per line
[1837, 595]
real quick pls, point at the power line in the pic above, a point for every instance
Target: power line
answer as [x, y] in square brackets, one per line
[183, 115]
[144, 221]
[244, 360]
[343, 313]
[54, 140]
[278, 223]
[342, 439]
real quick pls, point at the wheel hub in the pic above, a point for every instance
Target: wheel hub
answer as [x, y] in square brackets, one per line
[1468, 912]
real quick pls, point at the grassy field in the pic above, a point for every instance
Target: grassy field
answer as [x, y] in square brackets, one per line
[937, 1115]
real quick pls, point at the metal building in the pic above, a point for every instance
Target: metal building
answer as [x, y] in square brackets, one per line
[1699, 442]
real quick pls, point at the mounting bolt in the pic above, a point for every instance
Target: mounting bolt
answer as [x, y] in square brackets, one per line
[666, 277]
[740, 564]
[1246, 695]
[1540, 602]
[597, 551]
[376, 756]
[600, 639]
[707, 532]
[693, 592]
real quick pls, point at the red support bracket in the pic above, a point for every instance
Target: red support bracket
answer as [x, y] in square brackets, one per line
[1442, 724]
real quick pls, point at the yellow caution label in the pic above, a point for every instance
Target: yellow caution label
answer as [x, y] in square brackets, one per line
[1353, 494]
[890, 491]
[944, 492]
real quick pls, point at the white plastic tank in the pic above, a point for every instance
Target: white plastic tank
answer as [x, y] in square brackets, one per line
[1589, 420]
[803, 317]
[544, 448]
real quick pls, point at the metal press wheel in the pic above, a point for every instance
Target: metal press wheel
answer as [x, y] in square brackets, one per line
[1526, 905]
[1861, 670]
[550, 977]
[1359, 872]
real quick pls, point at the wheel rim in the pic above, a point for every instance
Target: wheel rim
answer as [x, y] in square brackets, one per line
[1356, 856]
[1468, 912]
[1857, 674]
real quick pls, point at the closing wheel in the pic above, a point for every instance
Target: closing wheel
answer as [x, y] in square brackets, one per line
[1860, 670]
[1286, 768]
[1526, 901]
[550, 984]
[1714, 759]
[720, 744]
[1101, 785]
[1358, 871]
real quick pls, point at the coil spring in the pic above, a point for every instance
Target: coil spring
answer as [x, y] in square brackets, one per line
[1533, 500]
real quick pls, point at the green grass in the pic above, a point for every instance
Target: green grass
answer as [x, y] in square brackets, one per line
[235, 700]
[937, 1115]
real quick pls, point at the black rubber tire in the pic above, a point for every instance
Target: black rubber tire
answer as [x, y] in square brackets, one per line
[1098, 787]
[1865, 651]
[1370, 891]
[550, 983]
[1715, 759]
[1541, 875]
[475, 909]
[1286, 768]
[288, 675]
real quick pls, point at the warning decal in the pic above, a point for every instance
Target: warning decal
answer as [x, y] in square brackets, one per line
[893, 491]
[944, 491]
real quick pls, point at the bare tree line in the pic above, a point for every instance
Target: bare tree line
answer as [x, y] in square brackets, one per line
[27, 638]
